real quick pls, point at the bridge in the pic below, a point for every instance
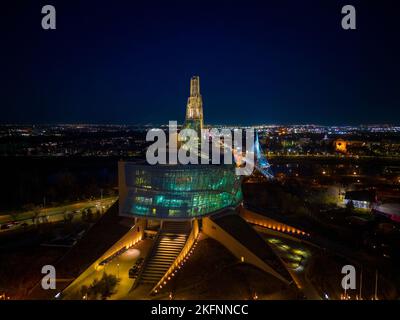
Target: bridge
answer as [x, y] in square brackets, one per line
[261, 163]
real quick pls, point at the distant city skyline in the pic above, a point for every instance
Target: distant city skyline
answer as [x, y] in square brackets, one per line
[207, 125]
[277, 63]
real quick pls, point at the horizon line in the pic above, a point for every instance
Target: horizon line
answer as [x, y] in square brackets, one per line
[206, 125]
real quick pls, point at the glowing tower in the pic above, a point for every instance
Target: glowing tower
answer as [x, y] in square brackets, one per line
[194, 108]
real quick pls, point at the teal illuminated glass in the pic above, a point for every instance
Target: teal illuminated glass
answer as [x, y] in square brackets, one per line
[177, 191]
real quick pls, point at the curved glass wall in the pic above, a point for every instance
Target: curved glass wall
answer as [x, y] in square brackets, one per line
[177, 191]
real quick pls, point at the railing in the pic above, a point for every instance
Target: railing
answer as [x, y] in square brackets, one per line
[253, 217]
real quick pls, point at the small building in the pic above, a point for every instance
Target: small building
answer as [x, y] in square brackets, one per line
[340, 145]
[361, 199]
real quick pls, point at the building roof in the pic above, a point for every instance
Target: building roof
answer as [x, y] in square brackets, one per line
[361, 195]
[239, 229]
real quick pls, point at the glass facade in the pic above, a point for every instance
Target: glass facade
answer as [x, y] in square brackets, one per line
[177, 191]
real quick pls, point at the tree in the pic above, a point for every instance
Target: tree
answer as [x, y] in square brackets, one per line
[89, 215]
[84, 215]
[350, 206]
[36, 213]
[103, 288]
[84, 291]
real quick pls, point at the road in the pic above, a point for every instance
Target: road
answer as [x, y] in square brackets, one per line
[53, 214]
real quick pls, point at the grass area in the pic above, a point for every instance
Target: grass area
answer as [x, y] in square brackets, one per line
[363, 212]
[20, 269]
[328, 279]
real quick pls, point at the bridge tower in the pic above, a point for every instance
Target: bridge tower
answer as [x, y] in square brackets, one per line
[261, 163]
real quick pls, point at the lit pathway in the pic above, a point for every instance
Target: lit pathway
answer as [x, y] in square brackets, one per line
[119, 267]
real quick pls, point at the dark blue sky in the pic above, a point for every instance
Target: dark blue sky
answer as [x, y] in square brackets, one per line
[259, 62]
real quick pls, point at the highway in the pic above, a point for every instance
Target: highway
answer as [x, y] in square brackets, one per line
[9, 222]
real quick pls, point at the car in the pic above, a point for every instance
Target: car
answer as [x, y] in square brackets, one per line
[133, 273]
[134, 268]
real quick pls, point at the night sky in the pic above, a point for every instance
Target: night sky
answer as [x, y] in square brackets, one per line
[128, 62]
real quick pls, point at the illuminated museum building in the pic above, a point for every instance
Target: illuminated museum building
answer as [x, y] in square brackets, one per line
[179, 191]
[174, 204]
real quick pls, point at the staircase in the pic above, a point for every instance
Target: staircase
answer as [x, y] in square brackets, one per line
[169, 244]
